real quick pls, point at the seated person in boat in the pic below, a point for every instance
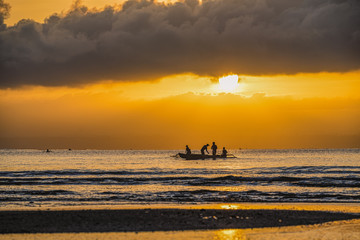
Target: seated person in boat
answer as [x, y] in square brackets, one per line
[214, 148]
[224, 152]
[203, 149]
[188, 150]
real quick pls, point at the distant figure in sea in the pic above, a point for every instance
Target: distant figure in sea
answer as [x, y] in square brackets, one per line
[224, 152]
[214, 148]
[47, 150]
[204, 148]
[188, 150]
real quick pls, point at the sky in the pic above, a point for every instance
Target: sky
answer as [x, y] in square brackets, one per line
[145, 74]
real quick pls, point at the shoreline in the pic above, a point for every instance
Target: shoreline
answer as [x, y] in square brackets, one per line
[338, 230]
[308, 206]
[159, 219]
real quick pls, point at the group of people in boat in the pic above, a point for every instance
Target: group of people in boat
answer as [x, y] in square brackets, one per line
[204, 148]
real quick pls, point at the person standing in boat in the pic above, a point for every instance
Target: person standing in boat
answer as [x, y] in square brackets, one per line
[203, 149]
[214, 148]
[188, 150]
[224, 153]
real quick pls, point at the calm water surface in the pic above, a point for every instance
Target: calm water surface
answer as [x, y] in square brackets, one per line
[92, 177]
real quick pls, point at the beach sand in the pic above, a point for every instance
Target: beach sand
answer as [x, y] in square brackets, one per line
[340, 230]
[202, 222]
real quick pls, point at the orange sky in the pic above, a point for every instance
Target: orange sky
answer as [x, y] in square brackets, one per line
[166, 115]
[41, 9]
[68, 86]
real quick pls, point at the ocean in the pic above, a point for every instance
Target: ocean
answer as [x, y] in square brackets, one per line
[32, 178]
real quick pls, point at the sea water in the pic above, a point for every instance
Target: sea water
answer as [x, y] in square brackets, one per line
[113, 177]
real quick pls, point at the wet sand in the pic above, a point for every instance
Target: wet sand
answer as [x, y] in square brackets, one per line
[145, 220]
[341, 230]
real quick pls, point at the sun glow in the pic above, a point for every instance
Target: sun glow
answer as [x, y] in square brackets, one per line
[229, 83]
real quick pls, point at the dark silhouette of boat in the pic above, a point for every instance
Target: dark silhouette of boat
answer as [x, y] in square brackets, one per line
[203, 157]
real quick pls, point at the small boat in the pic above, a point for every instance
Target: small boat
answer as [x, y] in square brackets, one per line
[202, 157]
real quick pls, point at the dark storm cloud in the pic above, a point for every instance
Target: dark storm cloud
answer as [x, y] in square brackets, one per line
[147, 40]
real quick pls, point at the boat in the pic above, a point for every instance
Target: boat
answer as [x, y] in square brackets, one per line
[202, 157]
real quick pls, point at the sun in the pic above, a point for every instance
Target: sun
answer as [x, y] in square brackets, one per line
[229, 83]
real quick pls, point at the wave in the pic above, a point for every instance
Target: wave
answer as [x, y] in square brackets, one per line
[303, 170]
[37, 192]
[349, 181]
[200, 196]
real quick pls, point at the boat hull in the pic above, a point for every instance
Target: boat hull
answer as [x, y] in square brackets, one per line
[199, 156]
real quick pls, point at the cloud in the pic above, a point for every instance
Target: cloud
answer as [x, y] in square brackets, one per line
[146, 40]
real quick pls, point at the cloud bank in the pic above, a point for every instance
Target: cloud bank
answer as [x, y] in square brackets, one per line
[146, 40]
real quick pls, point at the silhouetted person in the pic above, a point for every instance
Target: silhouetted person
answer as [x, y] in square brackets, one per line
[214, 148]
[47, 150]
[188, 150]
[224, 152]
[203, 149]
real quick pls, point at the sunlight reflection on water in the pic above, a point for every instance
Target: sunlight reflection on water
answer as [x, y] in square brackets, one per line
[87, 177]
